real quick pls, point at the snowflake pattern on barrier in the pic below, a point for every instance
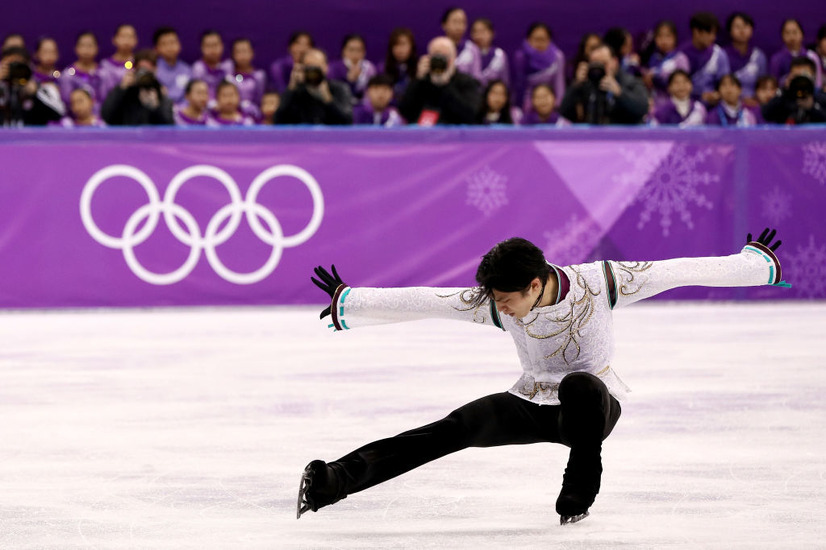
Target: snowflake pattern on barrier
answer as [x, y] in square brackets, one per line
[487, 190]
[807, 270]
[572, 243]
[777, 205]
[814, 160]
[675, 187]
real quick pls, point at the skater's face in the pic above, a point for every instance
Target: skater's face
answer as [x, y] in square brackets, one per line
[518, 304]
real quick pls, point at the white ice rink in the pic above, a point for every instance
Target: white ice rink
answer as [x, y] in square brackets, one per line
[190, 428]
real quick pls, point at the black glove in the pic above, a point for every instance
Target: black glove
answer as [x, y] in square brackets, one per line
[765, 239]
[328, 283]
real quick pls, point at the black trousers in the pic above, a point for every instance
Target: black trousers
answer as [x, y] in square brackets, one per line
[584, 418]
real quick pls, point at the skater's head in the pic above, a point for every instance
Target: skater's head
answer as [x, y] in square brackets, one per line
[512, 274]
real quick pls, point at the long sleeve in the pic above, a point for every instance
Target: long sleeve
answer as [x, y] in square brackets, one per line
[755, 265]
[358, 307]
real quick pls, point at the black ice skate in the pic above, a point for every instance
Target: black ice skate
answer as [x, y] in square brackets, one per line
[318, 488]
[580, 486]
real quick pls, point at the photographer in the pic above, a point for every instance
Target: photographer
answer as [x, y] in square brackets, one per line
[602, 93]
[440, 94]
[24, 102]
[139, 99]
[311, 98]
[798, 102]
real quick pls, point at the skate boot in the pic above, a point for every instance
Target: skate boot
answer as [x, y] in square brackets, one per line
[580, 486]
[319, 487]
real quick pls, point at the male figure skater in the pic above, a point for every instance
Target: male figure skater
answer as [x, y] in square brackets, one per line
[560, 320]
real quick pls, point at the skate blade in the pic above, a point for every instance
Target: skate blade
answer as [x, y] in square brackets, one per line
[303, 506]
[565, 520]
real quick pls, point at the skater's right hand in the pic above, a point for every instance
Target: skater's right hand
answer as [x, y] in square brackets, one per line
[329, 284]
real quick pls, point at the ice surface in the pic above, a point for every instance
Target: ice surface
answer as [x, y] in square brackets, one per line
[190, 428]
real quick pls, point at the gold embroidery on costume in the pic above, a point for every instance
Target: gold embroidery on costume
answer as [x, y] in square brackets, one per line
[630, 285]
[530, 390]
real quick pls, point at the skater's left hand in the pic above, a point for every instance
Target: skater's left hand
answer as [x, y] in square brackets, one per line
[765, 239]
[329, 284]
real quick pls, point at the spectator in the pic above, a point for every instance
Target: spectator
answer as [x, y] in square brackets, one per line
[24, 101]
[587, 43]
[194, 111]
[747, 62]
[228, 107]
[621, 41]
[681, 109]
[210, 68]
[83, 73]
[664, 60]
[496, 106]
[780, 65]
[731, 111]
[799, 102]
[603, 94]
[494, 60]
[113, 69]
[313, 99]
[282, 68]
[400, 61]
[765, 89]
[468, 58]
[14, 40]
[543, 108]
[538, 61]
[820, 50]
[377, 109]
[250, 81]
[138, 99]
[269, 105]
[82, 111]
[172, 73]
[707, 61]
[440, 94]
[46, 56]
[353, 69]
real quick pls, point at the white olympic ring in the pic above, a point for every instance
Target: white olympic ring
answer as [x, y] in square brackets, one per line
[190, 234]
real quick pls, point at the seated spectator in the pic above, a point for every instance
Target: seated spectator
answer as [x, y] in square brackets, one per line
[494, 60]
[440, 94]
[681, 109]
[82, 111]
[113, 69]
[401, 60]
[748, 62]
[707, 61]
[664, 60]
[543, 108]
[468, 58]
[820, 50]
[138, 99]
[377, 110]
[353, 69]
[228, 107]
[587, 43]
[269, 105]
[173, 73]
[731, 111]
[13, 40]
[765, 89]
[313, 99]
[604, 94]
[799, 102]
[83, 73]
[250, 81]
[210, 68]
[23, 100]
[193, 111]
[282, 68]
[621, 41]
[45, 61]
[780, 64]
[496, 106]
[538, 61]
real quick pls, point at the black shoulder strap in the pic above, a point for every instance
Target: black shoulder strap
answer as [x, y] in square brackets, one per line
[611, 283]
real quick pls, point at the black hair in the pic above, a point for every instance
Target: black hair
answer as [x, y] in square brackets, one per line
[742, 15]
[803, 61]
[510, 266]
[223, 84]
[122, 25]
[146, 55]
[676, 73]
[543, 85]
[16, 50]
[614, 38]
[295, 35]
[191, 84]
[580, 52]
[704, 21]
[81, 34]
[240, 40]
[505, 116]
[83, 89]
[391, 66]
[539, 25]
[448, 11]
[353, 36]
[766, 78]
[380, 80]
[210, 32]
[486, 22]
[821, 33]
[162, 31]
[791, 20]
[732, 77]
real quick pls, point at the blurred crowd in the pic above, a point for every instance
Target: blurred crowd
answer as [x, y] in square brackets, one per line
[461, 77]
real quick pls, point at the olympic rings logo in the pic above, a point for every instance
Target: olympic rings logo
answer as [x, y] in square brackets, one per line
[190, 234]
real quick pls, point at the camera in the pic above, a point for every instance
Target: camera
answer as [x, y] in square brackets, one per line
[801, 87]
[146, 79]
[313, 76]
[596, 72]
[438, 64]
[19, 73]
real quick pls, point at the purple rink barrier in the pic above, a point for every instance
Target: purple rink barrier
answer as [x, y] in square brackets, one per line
[186, 217]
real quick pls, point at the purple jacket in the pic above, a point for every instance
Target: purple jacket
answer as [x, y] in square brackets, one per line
[495, 67]
[781, 64]
[338, 71]
[747, 68]
[174, 78]
[532, 119]
[111, 73]
[667, 113]
[71, 79]
[280, 73]
[251, 86]
[532, 67]
[660, 66]
[469, 59]
[707, 67]
[363, 114]
[740, 117]
[211, 76]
